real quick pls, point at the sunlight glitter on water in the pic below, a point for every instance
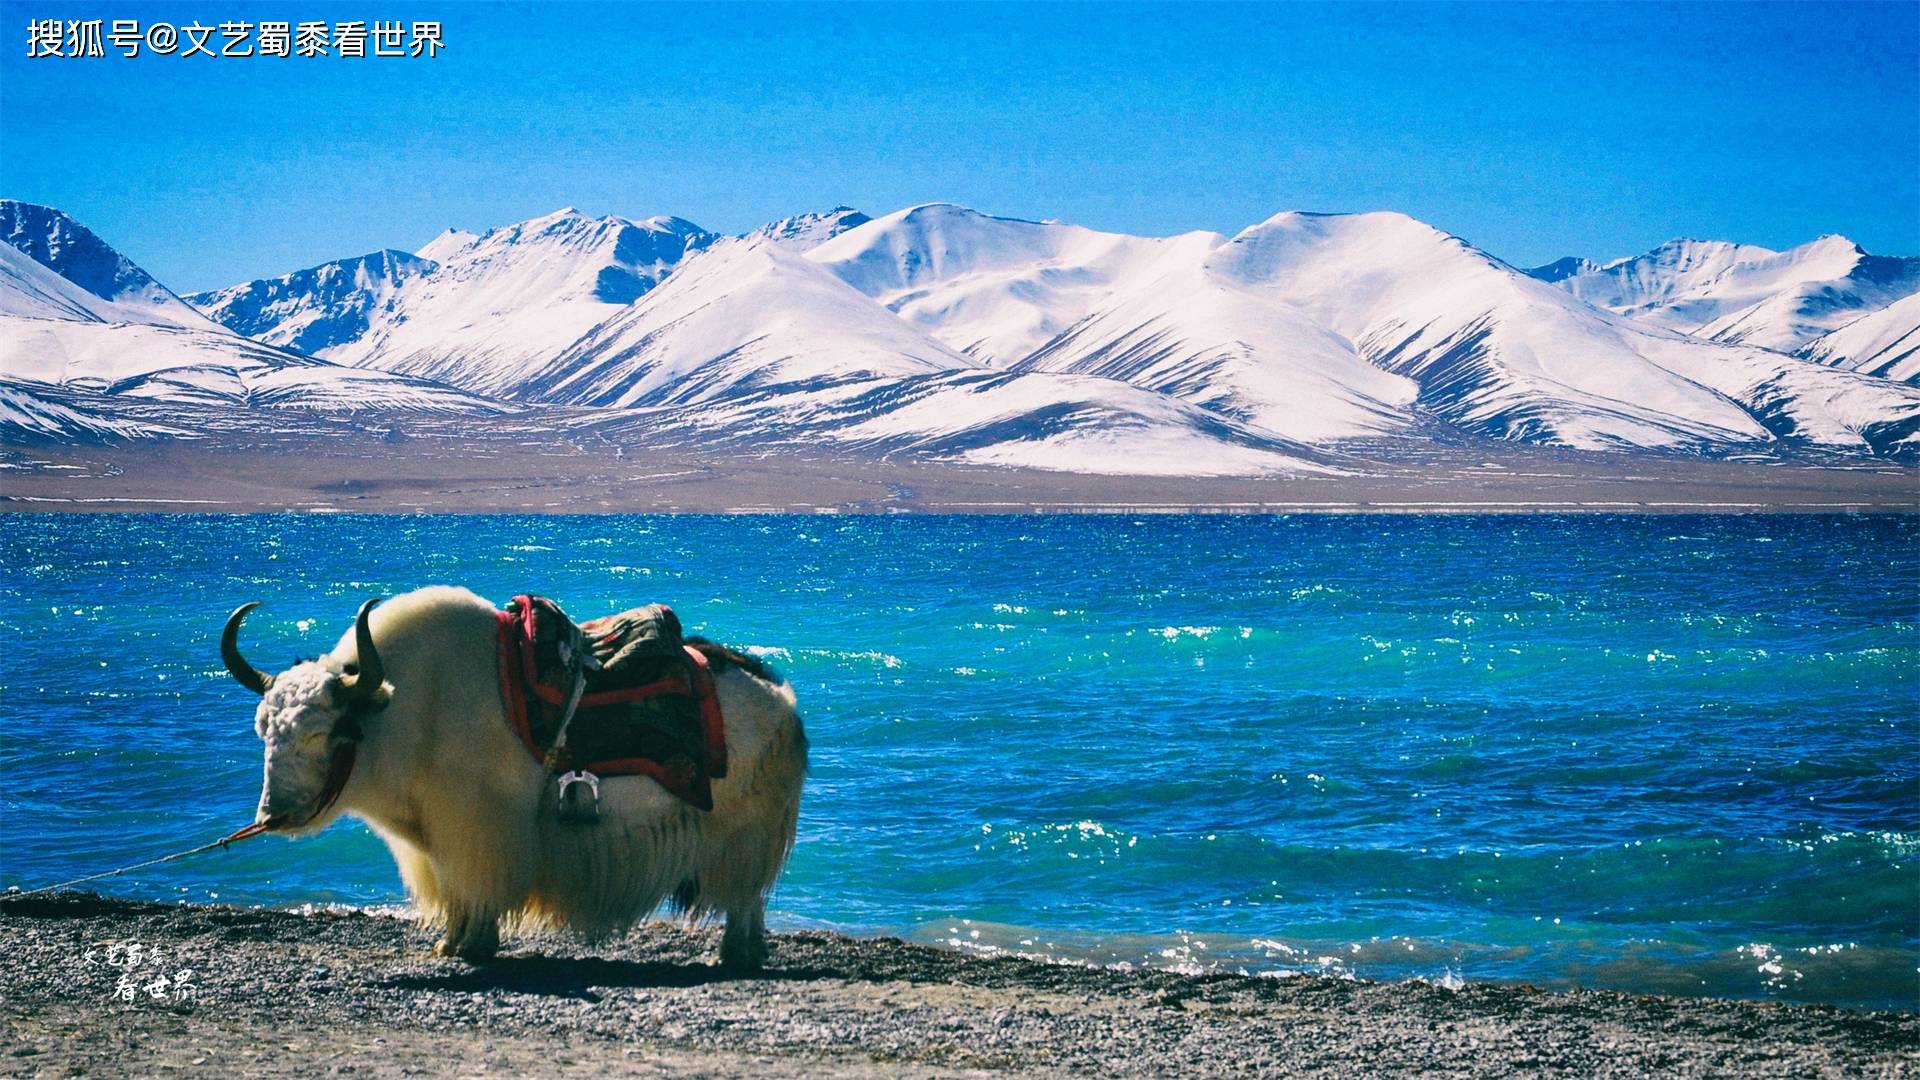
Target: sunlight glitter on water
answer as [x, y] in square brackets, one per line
[1571, 751]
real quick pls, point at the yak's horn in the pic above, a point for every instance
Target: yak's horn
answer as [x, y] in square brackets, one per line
[249, 676]
[361, 686]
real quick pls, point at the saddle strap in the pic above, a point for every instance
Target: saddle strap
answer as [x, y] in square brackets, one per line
[559, 747]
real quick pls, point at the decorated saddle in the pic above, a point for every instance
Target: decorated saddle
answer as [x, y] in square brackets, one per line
[623, 695]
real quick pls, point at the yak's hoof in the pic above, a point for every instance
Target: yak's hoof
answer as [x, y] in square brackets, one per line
[474, 952]
[747, 960]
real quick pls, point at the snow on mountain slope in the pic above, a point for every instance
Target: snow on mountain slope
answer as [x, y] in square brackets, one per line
[315, 309]
[206, 367]
[1322, 327]
[1040, 420]
[507, 302]
[1683, 284]
[1297, 346]
[28, 414]
[804, 232]
[941, 331]
[31, 290]
[1035, 296]
[1069, 423]
[343, 389]
[1493, 351]
[73, 252]
[1233, 348]
[1562, 269]
[996, 289]
[440, 247]
[1840, 409]
[104, 354]
[51, 266]
[1742, 294]
[1795, 399]
[1503, 355]
[744, 314]
[55, 332]
[1884, 343]
[1790, 319]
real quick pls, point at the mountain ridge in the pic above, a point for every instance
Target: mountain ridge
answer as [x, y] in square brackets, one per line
[73, 252]
[1744, 294]
[317, 308]
[134, 344]
[1268, 349]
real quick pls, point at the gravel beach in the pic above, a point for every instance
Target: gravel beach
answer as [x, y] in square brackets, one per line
[275, 993]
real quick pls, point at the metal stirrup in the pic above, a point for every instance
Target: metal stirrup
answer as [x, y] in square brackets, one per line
[571, 809]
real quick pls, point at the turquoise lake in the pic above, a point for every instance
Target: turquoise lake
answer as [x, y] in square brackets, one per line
[1659, 754]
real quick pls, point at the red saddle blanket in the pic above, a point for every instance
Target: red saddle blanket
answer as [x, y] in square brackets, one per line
[648, 708]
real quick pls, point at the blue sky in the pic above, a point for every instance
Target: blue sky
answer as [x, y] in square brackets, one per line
[1534, 131]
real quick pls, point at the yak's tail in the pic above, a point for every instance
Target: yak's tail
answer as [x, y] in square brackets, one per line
[720, 657]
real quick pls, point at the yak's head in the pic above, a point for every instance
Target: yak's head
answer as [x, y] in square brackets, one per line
[311, 717]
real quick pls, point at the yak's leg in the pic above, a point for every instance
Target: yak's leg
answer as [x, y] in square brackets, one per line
[482, 875]
[744, 945]
[472, 936]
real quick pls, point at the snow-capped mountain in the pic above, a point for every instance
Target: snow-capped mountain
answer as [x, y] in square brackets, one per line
[1492, 351]
[1680, 284]
[1562, 269]
[1188, 329]
[1503, 355]
[30, 290]
[754, 342]
[1884, 343]
[490, 311]
[135, 342]
[504, 304]
[1742, 294]
[993, 288]
[448, 242]
[1795, 316]
[805, 231]
[318, 308]
[744, 315]
[941, 331]
[99, 283]
[1047, 297]
[1319, 327]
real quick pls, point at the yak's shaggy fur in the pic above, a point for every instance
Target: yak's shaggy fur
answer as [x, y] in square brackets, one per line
[469, 815]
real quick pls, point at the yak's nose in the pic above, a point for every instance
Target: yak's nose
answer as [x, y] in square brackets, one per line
[270, 814]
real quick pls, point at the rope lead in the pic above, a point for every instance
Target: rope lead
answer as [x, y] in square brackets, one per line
[255, 829]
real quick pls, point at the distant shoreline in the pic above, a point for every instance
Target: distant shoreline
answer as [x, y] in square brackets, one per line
[440, 473]
[280, 993]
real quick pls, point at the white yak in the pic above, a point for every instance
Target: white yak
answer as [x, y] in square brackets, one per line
[402, 725]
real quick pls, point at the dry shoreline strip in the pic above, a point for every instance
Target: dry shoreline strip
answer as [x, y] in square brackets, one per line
[344, 473]
[285, 994]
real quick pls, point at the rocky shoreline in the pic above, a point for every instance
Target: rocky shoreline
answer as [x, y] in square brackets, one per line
[276, 993]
